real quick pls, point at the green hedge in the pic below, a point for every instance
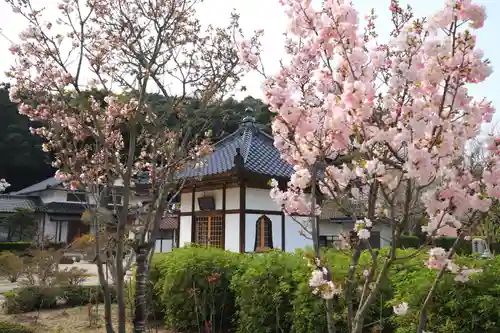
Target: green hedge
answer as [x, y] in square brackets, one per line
[270, 293]
[8, 327]
[14, 246]
[194, 287]
[456, 307]
[463, 248]
[35, 298]
[24, 246]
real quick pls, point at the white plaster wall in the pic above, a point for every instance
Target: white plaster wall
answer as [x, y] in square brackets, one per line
[217, 194]
[163, 245]
[60, 195]
[233, 198]
[53, 196]
[250, 231]
[257, 198]
[293, 238]
[184, 230]
[186, 201]
[327, 228]
[232, 233]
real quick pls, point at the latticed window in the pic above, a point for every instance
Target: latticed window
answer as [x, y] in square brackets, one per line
[209, 231]
[263, 234]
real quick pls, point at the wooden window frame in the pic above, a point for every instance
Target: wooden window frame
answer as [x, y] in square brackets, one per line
[211, 218]
[262, 236]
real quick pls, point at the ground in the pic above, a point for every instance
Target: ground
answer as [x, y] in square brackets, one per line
[71, 320]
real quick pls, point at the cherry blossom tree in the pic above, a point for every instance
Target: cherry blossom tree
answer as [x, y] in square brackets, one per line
[3, 185]
[384, 126]
[87, 74]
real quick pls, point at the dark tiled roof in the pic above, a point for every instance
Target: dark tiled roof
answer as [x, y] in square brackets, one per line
[63, 208]
[10, 203]
[257, 151]
[169, 222]
[43, 185]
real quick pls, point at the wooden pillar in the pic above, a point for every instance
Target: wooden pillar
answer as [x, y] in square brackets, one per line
[193, 218]
[242, 216]
[223, 240]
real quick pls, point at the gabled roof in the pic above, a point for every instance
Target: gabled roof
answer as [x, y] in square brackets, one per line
[257, 151]
[62, 208]
[43, 185]
[11, 203]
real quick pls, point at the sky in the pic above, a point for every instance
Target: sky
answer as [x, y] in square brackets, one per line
[268, 15]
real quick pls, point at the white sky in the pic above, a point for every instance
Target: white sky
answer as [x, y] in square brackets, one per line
[268, 15]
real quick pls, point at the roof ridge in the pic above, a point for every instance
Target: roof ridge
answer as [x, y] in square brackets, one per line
[227, 137]
[247, 142]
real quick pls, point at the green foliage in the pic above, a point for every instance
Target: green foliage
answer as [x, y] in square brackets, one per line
[23, 163]
[14, 246]
[30, 299]
[194, 288]
[8, 327]
[456, 307]
[407, 242]
[36, 298]
[269, 292]
[20, 225]
[11, 266]
[264, 289]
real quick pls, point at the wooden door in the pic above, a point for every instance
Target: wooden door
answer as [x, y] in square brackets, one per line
[209, 231]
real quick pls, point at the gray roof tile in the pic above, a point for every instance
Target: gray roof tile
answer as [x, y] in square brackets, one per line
[257, 149]
[10, 203]
[43, 185]
[63, 208]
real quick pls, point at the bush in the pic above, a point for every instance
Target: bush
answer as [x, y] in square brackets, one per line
[30, 299]
[194, 288]
[14, 246]
[7, 327]
[456, 307]
[37, 298]
[11, 266]
[407, 242]
[269, 292]
[264, 289]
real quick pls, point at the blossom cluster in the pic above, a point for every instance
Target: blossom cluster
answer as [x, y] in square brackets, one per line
[321, 282]
[439, 259]
[3, 185]
[397, 115]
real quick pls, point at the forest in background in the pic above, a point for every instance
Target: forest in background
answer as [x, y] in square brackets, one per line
[23, 163]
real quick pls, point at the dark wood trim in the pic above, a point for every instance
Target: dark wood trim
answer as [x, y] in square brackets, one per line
[224, 216]
[193, 218]
[242, 212]
[283, 230]
[232, 211]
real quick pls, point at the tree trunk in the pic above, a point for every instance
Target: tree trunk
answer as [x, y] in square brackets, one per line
[141, 289]
[120, 281]
[106, 295]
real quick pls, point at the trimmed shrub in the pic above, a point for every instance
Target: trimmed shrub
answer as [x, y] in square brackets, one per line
[194, 289]
[30, 299]
[37, 298]
[264, 289]
[11, 266]
[8, 327]
[456, 307]
[14, 246]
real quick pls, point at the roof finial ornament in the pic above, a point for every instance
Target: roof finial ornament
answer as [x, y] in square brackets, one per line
[249, 116]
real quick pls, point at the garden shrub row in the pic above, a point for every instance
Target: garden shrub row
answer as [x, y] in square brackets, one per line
[36, 298]
[8, 327]
[464, 247]
[19, 247]
[245, 293]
